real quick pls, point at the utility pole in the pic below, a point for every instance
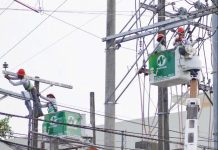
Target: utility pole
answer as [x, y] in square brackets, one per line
[34, 120]
[163, 117]
[109, 123]
[191, 125]
[122, 141]
[215, 74]
[53, 144]
[92, 115]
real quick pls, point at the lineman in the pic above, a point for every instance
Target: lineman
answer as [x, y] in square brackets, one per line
[51, 104]
[180, 39]
[184, 46]
[161, 43]
[29, 88]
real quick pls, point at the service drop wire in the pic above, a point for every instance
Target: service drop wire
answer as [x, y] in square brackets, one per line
[117, 132]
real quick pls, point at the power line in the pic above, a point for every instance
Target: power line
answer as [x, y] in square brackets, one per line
[66, 139]
[28, 34]
[20, 145]
[70, 24]
[53, 43]
[85, 12]
[107, 116]
[7, 8]
[118, 132]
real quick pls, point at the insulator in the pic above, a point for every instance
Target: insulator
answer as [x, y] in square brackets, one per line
[5, 65]
[199, 5]
[182, 11]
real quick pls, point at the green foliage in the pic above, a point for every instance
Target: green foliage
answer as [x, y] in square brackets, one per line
[5, 129]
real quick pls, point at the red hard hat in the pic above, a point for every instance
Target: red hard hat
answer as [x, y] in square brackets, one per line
[160, 35]
[51, 95]
[180, 30]
[21, 72]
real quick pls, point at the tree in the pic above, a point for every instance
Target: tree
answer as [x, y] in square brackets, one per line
[5, 129]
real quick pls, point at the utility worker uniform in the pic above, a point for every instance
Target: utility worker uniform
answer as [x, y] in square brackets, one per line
[160, 46]
[28, 87]
[51, 104]
[180, 39]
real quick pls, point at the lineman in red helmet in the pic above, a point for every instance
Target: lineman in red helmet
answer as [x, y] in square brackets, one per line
[51, 104]
[29, 88]
[160, 46]
[180, 39]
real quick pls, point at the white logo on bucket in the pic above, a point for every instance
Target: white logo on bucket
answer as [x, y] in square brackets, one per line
[161, 60]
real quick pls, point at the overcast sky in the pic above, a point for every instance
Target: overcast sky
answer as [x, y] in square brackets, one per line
[66, 47]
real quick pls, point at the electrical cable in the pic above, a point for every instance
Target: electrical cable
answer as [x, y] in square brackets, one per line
[119, 13]
[5, 9]
[105, 116]
[29, 33]
[182, 135]
[148, 118]
[156, 109]
[26, 118]
[78, 28]
[131, 19]
[118, 85]
[53, 43]
[118, 132]
[179, 117]
[205, 60]
[67, 139]
[20, 145]
[130, 70]
[62, 138]
[189, 2]
[52, 122]
[140, 89]
[209, 129]
[135, 21]
[215, 3]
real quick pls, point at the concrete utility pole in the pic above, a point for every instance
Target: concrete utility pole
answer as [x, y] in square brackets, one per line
[34, 121]
[191, 125]
[163, 117]
[215, 74]
[92, 115]
[53, 144]
[109, 123]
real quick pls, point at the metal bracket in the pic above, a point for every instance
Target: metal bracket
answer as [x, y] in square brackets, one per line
[161, 26]
[171, 15]
[40, 80]
[205, 87]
